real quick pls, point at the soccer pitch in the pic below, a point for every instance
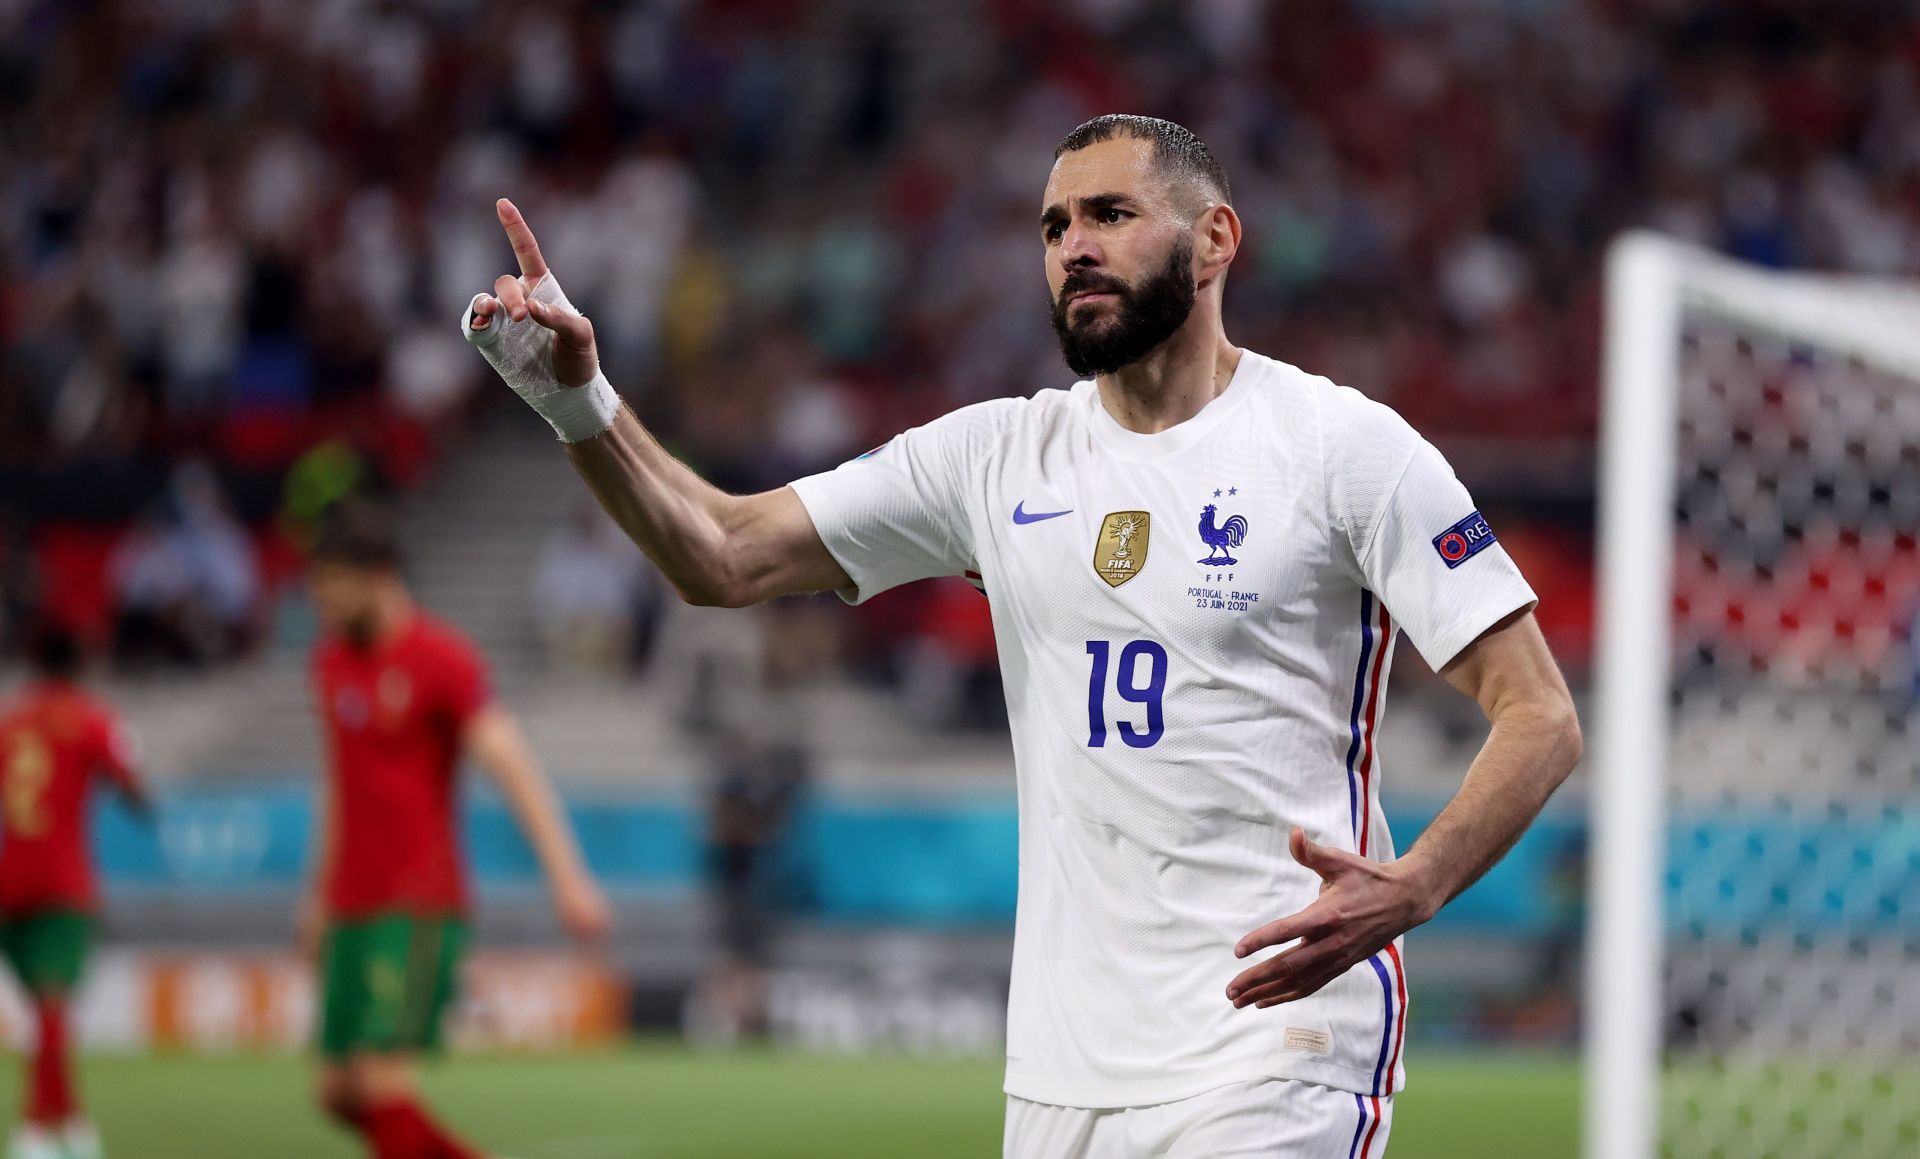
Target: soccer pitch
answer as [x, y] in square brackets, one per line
[663, 1100]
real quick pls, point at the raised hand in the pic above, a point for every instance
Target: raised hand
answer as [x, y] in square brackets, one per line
[1363, 905]
[574, 359]
[538, 342]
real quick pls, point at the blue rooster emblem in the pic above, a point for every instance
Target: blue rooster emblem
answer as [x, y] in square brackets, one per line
[1220, 537]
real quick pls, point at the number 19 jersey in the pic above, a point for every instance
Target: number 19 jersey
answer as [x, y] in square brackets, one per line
[1195, 631]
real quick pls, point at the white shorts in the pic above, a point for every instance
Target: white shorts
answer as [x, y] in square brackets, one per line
[1270, 1118]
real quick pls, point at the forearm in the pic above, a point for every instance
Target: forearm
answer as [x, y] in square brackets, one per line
[496, 742]
[715, 548]
[1364, 904]
[544, 823]
[138, 800]
[677, 518]
[1529, 751]
[130, 785]
[321, 859]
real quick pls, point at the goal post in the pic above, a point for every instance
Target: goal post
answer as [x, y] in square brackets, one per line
[1636, 466]
[1804, 326]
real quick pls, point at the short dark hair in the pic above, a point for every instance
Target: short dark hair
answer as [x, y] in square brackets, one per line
[1176, 150]
[54, 652]
[358, 532]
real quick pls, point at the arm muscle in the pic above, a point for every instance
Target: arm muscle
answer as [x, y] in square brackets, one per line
[713, 547]
[1534, 743]
[494, 740]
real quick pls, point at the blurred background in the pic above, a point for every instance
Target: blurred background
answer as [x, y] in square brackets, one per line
[234, 240]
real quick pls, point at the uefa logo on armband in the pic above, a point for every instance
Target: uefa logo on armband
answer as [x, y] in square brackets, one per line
[1464, 540]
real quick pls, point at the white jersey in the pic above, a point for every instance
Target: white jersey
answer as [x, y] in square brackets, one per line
[1195, 630]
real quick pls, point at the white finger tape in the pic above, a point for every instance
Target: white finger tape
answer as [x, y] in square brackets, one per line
[522, 354]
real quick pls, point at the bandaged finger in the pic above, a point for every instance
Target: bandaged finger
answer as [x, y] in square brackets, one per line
[521, 353]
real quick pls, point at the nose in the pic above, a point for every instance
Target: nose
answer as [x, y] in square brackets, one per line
[1078, 250]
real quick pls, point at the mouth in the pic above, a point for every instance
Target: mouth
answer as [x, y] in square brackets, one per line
[1091, 296]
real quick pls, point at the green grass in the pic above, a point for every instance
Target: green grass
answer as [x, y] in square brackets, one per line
[662, 1100]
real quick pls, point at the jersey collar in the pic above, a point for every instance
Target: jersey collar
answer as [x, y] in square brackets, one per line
[1108, 432]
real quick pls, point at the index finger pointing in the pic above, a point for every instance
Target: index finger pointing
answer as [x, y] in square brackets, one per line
[532, 265]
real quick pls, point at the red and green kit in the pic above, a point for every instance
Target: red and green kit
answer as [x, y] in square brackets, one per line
[394, 713]
[56, 744]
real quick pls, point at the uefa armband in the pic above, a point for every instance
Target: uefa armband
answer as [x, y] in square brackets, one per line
[522, 354]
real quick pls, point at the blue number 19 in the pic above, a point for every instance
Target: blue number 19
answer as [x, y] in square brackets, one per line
[1127, 684]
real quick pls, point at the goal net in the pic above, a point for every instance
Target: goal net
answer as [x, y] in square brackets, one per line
[1754, 958]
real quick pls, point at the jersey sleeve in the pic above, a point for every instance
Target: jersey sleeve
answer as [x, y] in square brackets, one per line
[116, 750]
[1410, 530]
[898, 513]
[462, 683]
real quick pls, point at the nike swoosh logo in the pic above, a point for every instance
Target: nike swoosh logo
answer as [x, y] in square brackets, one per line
[1021, 517]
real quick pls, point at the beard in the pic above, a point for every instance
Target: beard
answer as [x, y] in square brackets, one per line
[1143, 317]
[360, 631]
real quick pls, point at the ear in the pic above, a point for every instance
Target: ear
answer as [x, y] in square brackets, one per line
[1216, 239]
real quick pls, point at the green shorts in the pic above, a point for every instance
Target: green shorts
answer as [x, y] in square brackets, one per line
[47, 950]
[386, 981]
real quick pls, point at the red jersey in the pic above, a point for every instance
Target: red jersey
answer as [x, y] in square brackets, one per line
[55, 742]
[394, 714]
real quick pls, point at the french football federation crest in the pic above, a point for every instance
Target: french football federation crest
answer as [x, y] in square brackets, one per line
[1220, 536]
[1121, 550]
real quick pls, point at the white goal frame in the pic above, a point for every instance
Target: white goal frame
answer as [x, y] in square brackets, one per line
[1650, 282]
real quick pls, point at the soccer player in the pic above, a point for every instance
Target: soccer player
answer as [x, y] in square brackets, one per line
[1199, 559]
[403, 698]
[56, 743]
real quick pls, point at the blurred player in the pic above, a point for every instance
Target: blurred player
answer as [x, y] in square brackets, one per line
[404, 698]
[56, 743]
[1191, 556]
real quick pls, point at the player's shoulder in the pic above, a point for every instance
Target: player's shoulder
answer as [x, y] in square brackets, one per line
[97, 709]
[63, 715]
[1361, 445]
[101, 724]
[61, 704]
[1344, 418]
[1358, 440]
[326, 648]
[14, 709]
[996, 416]
[970, 434]
[434, 639]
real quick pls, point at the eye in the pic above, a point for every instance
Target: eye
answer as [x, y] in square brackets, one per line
[1051, 231]
[1112, 216]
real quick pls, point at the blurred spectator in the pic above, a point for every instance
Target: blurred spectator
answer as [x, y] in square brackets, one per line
[590, 589]
[242, 235]
[185, 582]
[760, 767]
[950, 672]
[216, 551]
[19, 583]
[153, 615]
[754, 791]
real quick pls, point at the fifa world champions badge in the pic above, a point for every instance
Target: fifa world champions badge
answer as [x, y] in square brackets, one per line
[1121, 550]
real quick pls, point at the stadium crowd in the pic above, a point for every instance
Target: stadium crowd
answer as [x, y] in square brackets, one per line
[234, 237]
